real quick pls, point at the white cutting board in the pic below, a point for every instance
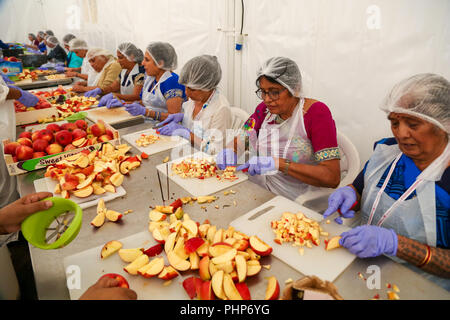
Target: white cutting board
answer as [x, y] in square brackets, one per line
[327, 265]
[110, 116]
[164, 143]
[198, 187]
[92, 267]
[48, 185]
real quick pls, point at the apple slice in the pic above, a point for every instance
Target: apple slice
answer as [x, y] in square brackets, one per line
[82, 161]
[195, 260]
[241, 267]
[101, 208]
[241, 245]
[155, 215]
[98, 190]
[99, 220]
[177, 262]
[227, 267]
[333, 243]
[109, 248]
[86, 182]
[192, 286]
[191, 227]
[206, 292]
[192, 244]
[210, 234]
[170, 242]
[252, 254]
[158, 236]
[65, 194]
[179, 248]
[109, 188]
[229, 288]
[227, 256]
[244, 254]
[243, 291]
[203, 250]
[217, 284]
[175, 226]
[218, 236]
[203, 229]
[155, 267]
[253, 267]
[219, 248]
[273, 289]
[84, 193]
[129, 255]
[113, 216]
[154, 251]
[168, 273]
[259, 246]
[212, 268]
[134, 266]
[239, 235]
[164, 209]
[117, 179]
[204, 268]
[79, 142]
[230, 241]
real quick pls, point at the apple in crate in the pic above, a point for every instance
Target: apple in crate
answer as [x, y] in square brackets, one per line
[78, 134]
[53, 127]
[25, 134]
[63, 137]
[46, 135]
[109, 248]
[81, 124]
[123, 283]
[25, 142]
[10, 148]
[24, 152]
[69, 126]
[98, 129]
[40, 145]
[54, 148]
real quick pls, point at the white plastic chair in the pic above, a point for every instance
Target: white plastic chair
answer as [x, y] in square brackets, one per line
[350, 165]
[239, 116]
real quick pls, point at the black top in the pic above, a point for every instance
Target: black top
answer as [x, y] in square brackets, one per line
[58, 53]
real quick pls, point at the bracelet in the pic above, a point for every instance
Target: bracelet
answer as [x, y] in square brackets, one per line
[427, 258]
[286, 168]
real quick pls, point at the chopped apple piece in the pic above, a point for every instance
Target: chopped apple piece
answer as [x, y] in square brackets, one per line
[217, 284]
[177, 262]
[229, 288]
[227, 256]
[134, 266]
[117, 179]
[204, 268]
[273, 289]
[243, 291]
[168, 273]
[191, 227]
[154, 268]
[195, 260]
[109, 188]
[129, 255]
[109, 248]
[241, 267]
[333, 243]
[113, 216]
[219, 248]
[155, 215]
[259, 246]
[84, 193]
[253, 267]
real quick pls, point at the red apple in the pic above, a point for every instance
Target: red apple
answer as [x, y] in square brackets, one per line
[63, 137]
[69, 126]
[25, 142]
[78, 134]
[81, 124]
[46, 135]
[25, 134]
[110, 134]
[123, 283]
[39, 155]
[24, 153]
[53, 127]
[40, 145]
[54, 148]
[35, 135]
[11, 147]
[98, 129]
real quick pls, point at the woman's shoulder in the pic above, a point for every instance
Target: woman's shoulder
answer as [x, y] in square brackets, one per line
[313, 106]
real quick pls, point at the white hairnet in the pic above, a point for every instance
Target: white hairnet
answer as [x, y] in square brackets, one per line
[284, 71]
[32, 35]
[131, 52]
[78, 44]
[41, 34]
[163, 51]
[201, 73]
[67, 38]
[49, 33]
[95, 52]
[426, 96]
[52, 40]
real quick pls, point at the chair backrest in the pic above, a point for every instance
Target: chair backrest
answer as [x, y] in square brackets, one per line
[350, 161]
[239, 116]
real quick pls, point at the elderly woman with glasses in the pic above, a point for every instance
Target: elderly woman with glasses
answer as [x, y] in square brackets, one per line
[292, 138]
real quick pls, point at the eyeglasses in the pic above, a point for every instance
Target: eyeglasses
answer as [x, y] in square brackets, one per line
[273, 93]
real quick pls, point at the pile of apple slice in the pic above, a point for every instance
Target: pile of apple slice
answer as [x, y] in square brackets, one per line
[103, 213]
[92, 172]
[224, 257]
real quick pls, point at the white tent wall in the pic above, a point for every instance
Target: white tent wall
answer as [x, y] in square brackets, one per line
[350, 52]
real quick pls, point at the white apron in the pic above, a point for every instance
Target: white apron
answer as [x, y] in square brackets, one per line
[414, 218]
[86, 68]
[154, 99]
[298, 150]
[127, 84]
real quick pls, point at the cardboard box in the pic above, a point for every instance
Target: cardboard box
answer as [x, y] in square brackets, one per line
[16, 168]
[11, 68]
[35, 115]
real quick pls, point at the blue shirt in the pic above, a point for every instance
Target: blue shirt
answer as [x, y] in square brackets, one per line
[170, 88]
[74, 61]
[404, 175]
[42, 47]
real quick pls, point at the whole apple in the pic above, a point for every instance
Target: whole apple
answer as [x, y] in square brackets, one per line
[25, 142]
[69, 126]
[25, 134]
[78, 134]
[53, 127]
[10, 148]
[40, 145]
[63, 137]
[54, 148]
[98, 129]
[81, 124]
[46, 135]
[24, 153]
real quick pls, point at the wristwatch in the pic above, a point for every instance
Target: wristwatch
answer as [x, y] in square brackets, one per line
[286, 167]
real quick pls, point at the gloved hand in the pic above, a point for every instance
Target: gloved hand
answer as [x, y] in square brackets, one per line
[175, 118]
[114, 103]
[175, 129]
[93, 93]
[370, 241]
[135, 109]
[105, 99]
[59, 69]
[27, 99]
[226, 158]
[342, 199]
[6, 79]
[42, 68]
[258, 165]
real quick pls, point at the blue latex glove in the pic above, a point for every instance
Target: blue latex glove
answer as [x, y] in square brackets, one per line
[175, 129]
[226, 158]
[93, 93]
[27, 99]
[42, 68]
[105, 99]
[114, 103]
[258, 165]
[59, 69]
[135, 109]
[342, 199]
[6, 79]
[370, 241]
[175, 118]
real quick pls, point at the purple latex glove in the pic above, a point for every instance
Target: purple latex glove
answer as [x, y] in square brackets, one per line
[258, 165]
[175, 129]
[135, 109]
[27, 99]
[6, 79]
[175, 118]
[370, 241]
[42, 68]
[114, 103]
[105, 99]
[93, 93]
[226, 158]
[59, 69]
[342, 199]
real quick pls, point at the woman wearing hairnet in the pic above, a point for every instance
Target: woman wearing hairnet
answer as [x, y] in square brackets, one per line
[55, 52]
[207, 113]
[106, 68]
[80, 49]
[293, 138]
[161, 94]
[34, 42]
[404, 189]
[73, 61]
[131, 79]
